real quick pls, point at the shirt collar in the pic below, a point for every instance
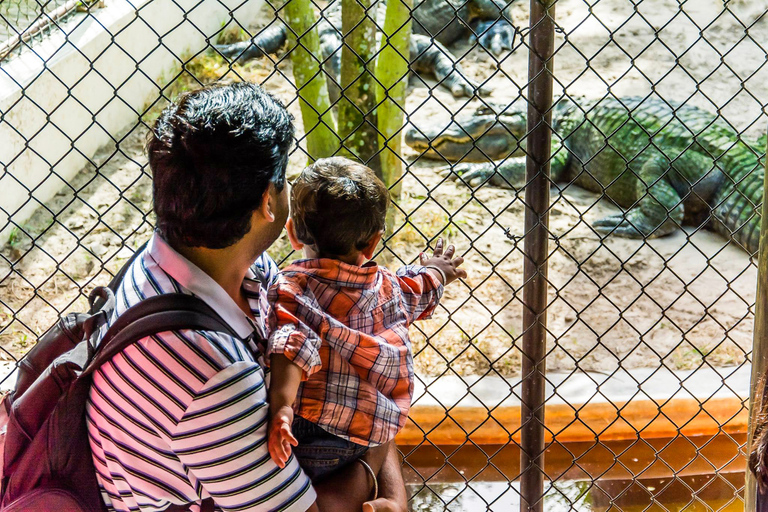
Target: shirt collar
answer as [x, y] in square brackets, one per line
[344, 274]
[200, 284]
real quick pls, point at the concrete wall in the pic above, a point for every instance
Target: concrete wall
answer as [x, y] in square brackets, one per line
[75, 91]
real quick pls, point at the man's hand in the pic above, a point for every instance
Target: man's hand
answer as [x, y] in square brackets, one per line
[280, 436]
[444, 264]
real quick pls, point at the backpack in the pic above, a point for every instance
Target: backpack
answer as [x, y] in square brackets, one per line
[46, 455]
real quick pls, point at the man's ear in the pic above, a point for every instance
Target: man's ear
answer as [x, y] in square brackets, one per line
[372, 243]
[267, 207]
[291, 229]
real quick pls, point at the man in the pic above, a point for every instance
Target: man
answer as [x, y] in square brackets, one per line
[182, 416]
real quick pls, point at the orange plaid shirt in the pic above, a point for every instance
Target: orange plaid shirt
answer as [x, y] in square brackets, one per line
[346, 326]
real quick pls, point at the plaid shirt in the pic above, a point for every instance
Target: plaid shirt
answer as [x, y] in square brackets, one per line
[347, 327]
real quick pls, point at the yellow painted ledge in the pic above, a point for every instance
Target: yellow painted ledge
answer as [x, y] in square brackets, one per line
[600, 420]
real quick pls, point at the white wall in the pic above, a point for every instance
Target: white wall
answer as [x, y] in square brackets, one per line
[81, 86]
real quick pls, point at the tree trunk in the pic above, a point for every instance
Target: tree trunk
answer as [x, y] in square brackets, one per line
[759, 349]
[357, 115]
[304, 44]
[392, 73]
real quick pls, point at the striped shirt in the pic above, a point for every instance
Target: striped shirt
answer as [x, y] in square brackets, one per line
[182, 416]
[346, 326]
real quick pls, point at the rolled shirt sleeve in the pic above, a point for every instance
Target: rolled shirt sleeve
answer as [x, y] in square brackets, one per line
[421, 291]
[289, 336]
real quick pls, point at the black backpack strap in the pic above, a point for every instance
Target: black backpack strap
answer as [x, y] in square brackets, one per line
[167, 312]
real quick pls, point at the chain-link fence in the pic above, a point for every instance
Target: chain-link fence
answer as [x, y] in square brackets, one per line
[26, 22]
[622, 258]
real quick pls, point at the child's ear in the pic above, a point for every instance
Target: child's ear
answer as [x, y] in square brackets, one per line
[291, 229]
[372, 243]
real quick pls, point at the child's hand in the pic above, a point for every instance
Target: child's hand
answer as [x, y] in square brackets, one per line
[444, 264]
[280, 436]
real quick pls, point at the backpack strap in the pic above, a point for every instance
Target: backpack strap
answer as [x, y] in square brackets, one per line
[167, 312]
[99, 302]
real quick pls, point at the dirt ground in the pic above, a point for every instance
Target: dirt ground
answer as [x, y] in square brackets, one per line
[683, 300]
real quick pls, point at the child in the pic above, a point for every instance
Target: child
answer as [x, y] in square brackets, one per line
[342, 367]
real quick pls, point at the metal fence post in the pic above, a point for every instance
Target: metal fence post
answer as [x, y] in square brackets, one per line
[759, 346]
[540, 63]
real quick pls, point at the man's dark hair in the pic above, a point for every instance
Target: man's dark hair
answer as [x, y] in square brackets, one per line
[338, 205]
[213, 153]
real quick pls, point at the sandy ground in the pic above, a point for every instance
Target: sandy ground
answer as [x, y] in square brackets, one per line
[681, 301]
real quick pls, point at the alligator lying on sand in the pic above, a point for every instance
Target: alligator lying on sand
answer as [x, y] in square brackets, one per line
[445, 21]
[666, 164]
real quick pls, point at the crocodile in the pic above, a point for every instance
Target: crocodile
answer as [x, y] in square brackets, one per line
[665, 164]
[437, 23]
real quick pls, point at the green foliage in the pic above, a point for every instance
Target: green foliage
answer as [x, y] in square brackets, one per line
[370, 116]
[358, 127]
[392, 74]
[304, 44]
[15, 238]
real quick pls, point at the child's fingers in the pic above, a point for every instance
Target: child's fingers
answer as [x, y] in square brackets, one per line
[285, 431]
[438, 247]
[461, 273]
[286, 450]
[458, 260]
[285, 453]
[276, 452]
[449, 252]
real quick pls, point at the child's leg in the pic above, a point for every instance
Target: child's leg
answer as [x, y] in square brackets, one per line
[320, 453]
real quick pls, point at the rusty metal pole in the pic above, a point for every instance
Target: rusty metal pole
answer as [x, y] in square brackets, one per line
[759, 346]
[540, 64]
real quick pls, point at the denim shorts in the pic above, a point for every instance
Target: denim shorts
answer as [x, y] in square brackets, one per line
[319, 452]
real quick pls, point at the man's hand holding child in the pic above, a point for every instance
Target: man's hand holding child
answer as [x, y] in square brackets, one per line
[442, 263]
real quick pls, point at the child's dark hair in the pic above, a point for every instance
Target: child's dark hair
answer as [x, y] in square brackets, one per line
[338, 205]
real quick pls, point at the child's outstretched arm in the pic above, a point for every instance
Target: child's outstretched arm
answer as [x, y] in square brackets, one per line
[422, 285]
[443, 264]
[285, 380]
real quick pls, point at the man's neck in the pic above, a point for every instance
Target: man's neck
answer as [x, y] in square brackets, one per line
[226, 266]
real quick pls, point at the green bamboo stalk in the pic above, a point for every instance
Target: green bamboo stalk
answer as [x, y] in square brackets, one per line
[357, 115]
[392, 73]
[759, 347]
[304, 43]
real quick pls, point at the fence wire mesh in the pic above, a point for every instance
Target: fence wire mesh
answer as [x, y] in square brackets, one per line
[23, 22]
[655, 178]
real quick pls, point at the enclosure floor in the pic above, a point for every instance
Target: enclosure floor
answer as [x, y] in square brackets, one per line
[681, 301]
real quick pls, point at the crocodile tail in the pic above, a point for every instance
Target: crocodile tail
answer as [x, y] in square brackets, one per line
[266, 42]
[737, 211]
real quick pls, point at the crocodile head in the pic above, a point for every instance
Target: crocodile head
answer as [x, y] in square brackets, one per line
[491, 132]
